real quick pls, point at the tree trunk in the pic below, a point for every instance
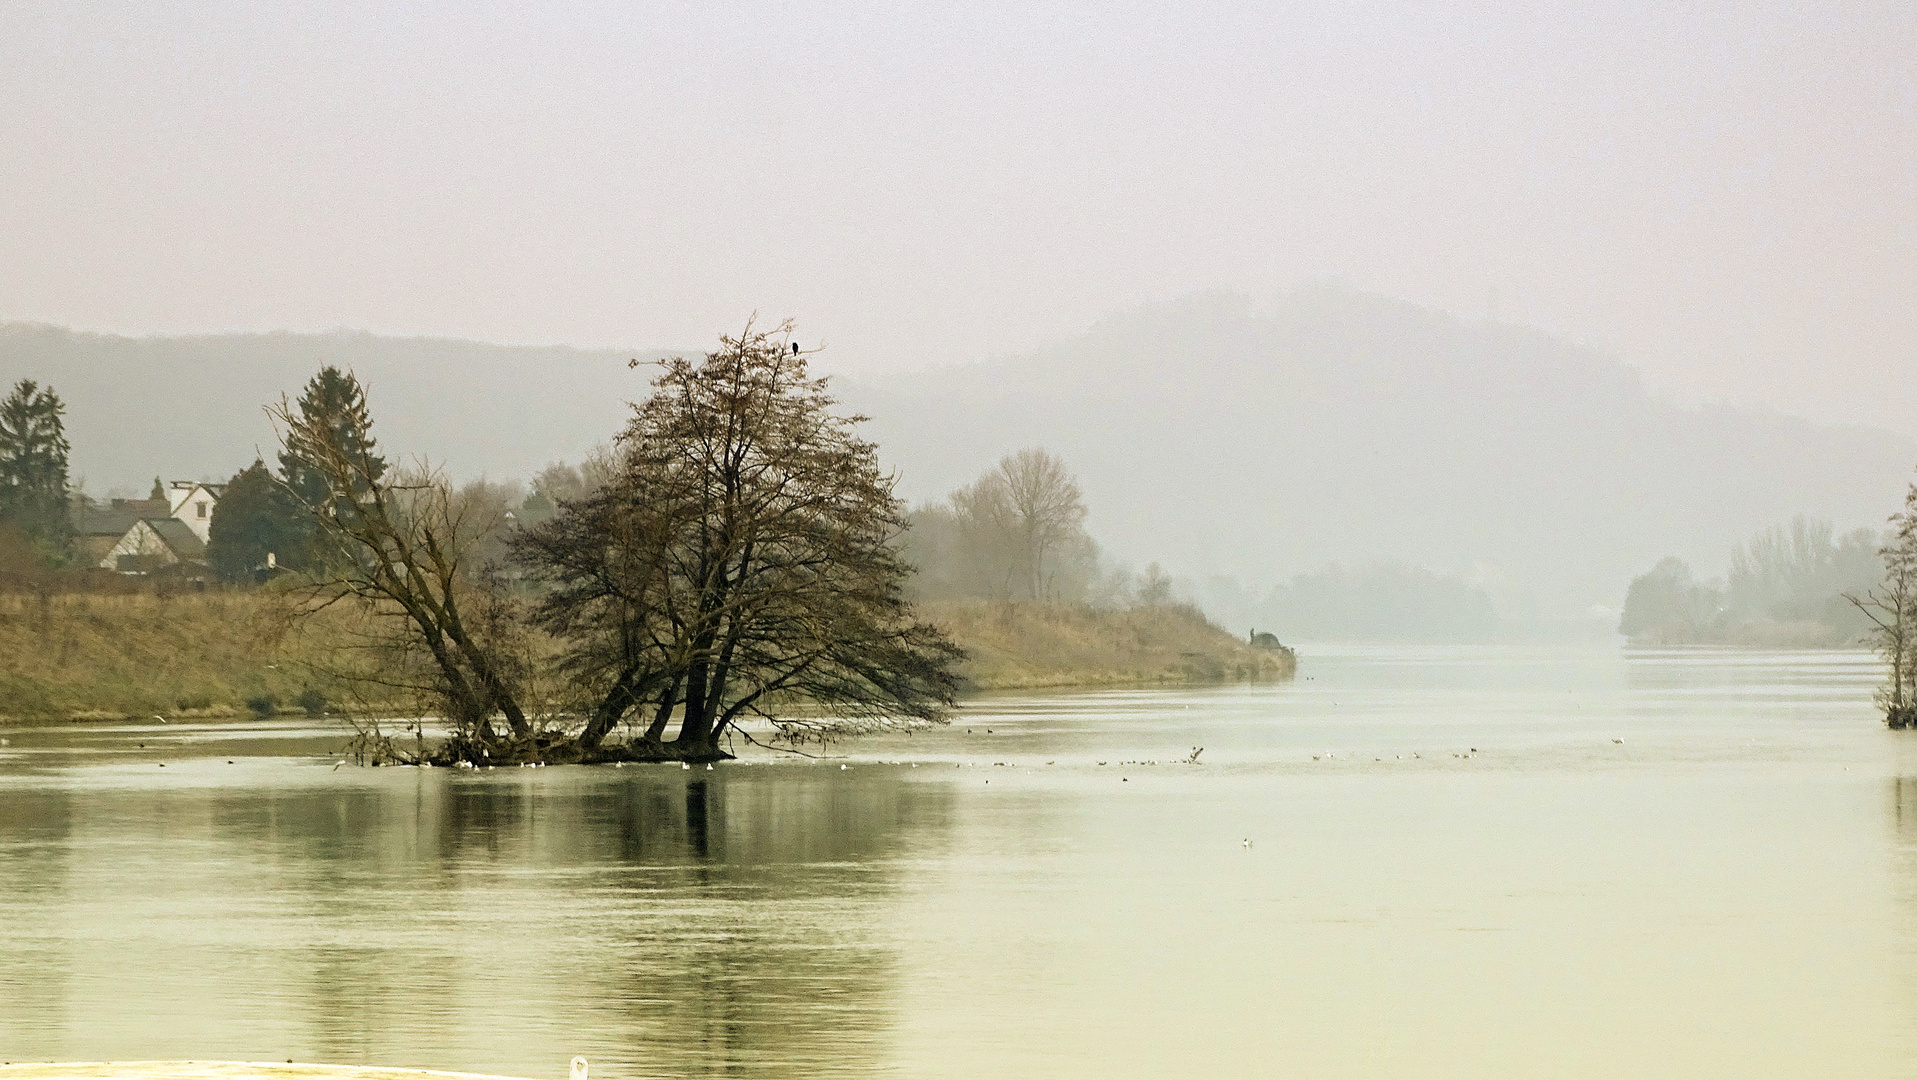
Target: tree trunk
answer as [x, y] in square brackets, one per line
[663, 716]
[697, 723]
[607, 714]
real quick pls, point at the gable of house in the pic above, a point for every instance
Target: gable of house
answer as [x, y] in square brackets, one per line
[149, 532]
[151, 543]
[192, 502]
[99, 528]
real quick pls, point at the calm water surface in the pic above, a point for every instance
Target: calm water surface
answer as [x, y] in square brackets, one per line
[1461, 863]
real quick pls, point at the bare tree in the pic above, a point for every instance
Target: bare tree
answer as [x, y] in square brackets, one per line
[1155, 588]
[989, 555]
[604, 560]
[1020, 531]
[402, 545]
[733, 557]
[740, 563]
[1891, 608]
[1047, 508]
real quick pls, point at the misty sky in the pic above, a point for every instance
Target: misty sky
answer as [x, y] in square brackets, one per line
[1724, 194]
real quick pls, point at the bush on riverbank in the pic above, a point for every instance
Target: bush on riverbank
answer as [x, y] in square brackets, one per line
[226, 653]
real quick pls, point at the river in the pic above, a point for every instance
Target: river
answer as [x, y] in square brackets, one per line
[1408, 862]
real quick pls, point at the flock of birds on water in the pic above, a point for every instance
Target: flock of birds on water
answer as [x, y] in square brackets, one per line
[1192, 759]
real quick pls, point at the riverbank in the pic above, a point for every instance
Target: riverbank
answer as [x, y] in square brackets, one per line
[219, 653]
[1032, 646]
[105, 656]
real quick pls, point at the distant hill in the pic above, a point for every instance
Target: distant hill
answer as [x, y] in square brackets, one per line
[1333, 426]
[191, 407]
[1212, 434]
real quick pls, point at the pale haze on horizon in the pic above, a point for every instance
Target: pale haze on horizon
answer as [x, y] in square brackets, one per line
[1721, 195]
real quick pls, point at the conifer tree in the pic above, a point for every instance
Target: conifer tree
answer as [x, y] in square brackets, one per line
[257, 516]
[336, 400]
[33, 466]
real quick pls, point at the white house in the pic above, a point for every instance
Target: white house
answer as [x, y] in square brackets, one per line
[192, 502]
[138, 535]
[155, 542]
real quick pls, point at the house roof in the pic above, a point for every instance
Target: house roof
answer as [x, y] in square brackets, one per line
[183, 541]
[111, 521]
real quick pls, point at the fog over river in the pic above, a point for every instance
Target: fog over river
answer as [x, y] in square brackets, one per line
[1566, 862]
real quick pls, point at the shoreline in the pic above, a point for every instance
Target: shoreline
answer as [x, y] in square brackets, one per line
[230, 655]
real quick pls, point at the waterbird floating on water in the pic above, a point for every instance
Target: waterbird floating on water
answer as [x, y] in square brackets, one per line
[579, 1063]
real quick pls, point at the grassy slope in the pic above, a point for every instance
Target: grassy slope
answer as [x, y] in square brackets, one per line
[1015, 646]
[206, 654]
[98, 656]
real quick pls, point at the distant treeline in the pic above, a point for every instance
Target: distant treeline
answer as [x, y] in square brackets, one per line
[1017, 533]
[1786, 587]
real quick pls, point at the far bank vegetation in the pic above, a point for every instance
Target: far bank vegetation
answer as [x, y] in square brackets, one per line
[1006, 565]
[733, 565]
[1787, 588]
[1889, 607]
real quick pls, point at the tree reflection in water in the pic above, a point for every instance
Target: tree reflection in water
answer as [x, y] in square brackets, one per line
[659, 921]
[35, 895]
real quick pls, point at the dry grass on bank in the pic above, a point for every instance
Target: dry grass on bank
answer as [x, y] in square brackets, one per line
[103, 655]
[1026, 646]
[113, 654]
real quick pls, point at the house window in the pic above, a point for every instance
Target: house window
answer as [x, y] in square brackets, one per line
[200, 507]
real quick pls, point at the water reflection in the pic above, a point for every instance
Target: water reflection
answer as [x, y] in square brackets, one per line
[1464, 863]
[1903, 807]
[34, 827]
[661, 922]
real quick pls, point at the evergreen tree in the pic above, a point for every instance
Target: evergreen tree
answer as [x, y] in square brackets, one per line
[33, 466]
[336, 401]
[158, 494]
[257, 516]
